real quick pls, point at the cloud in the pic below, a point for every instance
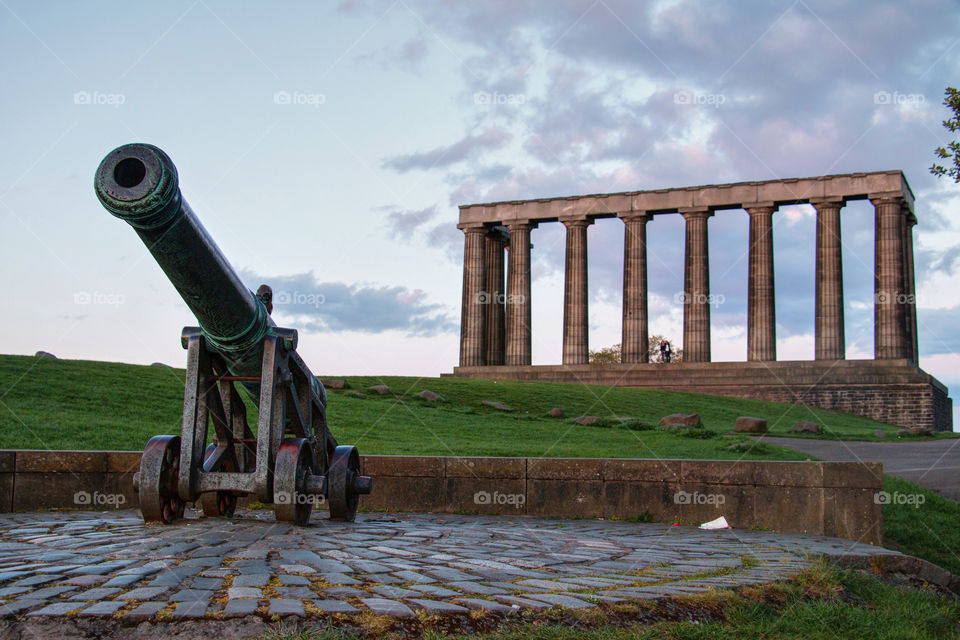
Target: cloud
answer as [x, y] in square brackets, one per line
[404, 223]
[310, 305]
[444, 156]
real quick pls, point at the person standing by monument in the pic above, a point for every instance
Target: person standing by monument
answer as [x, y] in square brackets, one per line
[665, 351]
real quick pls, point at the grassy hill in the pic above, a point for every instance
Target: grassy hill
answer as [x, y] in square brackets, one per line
[72, 404]
[63, 404]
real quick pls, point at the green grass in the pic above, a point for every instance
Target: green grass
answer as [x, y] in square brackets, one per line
[823, 603]
[930, 531]
[64, 404]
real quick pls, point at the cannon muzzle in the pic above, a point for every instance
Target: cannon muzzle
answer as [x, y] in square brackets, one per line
[138, 183]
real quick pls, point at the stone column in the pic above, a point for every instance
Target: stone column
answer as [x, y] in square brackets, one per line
[495, 296]
[830, 339]
[696, 286]
[761, 306]
[518, 295]
[890, 339]
[473, 314]
[634, 342]
[576, 327]
[909, 220]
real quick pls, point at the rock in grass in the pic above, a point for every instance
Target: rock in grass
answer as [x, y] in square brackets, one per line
[880, 433]
[44, 354]
[379, 389]
[496, 405]
[806, 426]
[356, 394]
[556, 412]
[430, 396]
[588, 420]
[920, 431]
[330, 383]
[746, 424]
[160, 364]
[681, 420]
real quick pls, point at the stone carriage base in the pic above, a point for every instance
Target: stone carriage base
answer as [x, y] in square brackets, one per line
[830, 498]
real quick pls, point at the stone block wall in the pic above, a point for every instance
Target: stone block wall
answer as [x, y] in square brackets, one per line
[829, 498]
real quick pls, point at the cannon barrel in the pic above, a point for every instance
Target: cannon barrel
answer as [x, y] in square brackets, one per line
[138, 183]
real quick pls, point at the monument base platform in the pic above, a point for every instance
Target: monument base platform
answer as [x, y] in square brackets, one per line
[892, 391]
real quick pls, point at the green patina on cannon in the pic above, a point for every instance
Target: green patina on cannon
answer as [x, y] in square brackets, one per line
[293, 461]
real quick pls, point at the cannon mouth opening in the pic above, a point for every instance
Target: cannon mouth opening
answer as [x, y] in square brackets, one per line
[129, 172]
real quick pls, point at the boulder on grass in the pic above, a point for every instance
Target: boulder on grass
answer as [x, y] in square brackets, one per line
[359, 395]
[680, 420]
[556, 412]
[588, 420]
[880, 433]
[160, 364]
[496, 405]
[806, 426]
[44, 354]
[333, 384]
[379, 389]
[920, 431]
[746, 424]
[430, 396]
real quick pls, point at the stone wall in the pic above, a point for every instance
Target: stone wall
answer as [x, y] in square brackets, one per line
[830, 498]
[892, 391]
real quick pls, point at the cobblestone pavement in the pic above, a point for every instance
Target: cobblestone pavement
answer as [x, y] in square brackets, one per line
[111, 565]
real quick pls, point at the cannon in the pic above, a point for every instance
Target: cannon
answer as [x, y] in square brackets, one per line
[292, 460]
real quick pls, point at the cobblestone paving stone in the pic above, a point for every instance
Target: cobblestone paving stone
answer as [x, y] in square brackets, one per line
[111, 564]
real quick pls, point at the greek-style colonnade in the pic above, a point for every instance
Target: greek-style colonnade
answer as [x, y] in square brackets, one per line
[495, 335]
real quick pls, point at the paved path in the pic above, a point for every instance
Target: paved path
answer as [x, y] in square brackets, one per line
[111, 565]
[934, 464]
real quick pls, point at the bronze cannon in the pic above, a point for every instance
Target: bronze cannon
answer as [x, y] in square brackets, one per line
[292, 460]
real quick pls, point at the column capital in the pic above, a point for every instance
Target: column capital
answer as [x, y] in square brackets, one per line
[520, 225]
[576, 222]
[694, 213]
[632, 216]
[472, 227]
[827, 203]
[887, 198]
[911, 218]
[756, 208]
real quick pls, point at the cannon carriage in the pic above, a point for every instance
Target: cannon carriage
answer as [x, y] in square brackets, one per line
[292, 460]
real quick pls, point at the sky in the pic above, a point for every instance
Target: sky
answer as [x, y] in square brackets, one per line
[326, 148]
